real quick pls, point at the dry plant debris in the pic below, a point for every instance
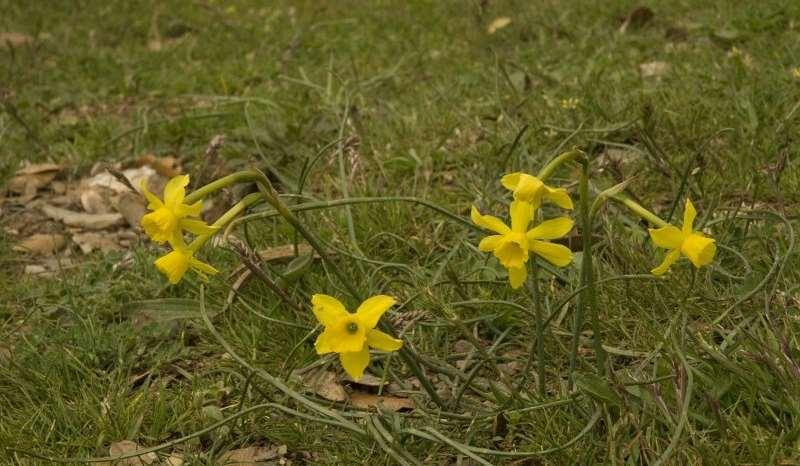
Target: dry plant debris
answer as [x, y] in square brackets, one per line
[54, 218]
[253, 456]
[328, 385]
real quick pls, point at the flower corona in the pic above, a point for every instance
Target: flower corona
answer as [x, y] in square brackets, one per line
[529, 188]
[171, 216]
[512, 245]
[697, 247]
[352, 334]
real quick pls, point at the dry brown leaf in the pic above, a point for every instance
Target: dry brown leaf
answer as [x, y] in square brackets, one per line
[654, 69]
[104, 179]
[173, 460]
[324, 383]
[58, 187]
[283, 252]
[126, 446]
[36, 269]
[252, 456]
[370, 401]
[82, 220]
[30, 178]
[497, 24]
[14, 39]
[48, 267]
[38, 168]
[167, 166]
[90, 240]
[132, 207]
[367, 380]
[42, 244]
[94, 202]
[511, 367]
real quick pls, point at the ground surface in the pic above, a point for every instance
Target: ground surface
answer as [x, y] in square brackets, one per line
[698, 98]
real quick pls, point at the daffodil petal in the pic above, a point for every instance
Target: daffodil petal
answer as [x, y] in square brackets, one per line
[689, 214]
[699, 249]
[175, 190]
[153, 201]
[327, 309]
[379, 340]
[190, 210]
[198, 227]
[559, 197]
[551, 229]
[556, 254]
[490, 243]
[669, 259]
[324, 343]
[511, 180]
[371, 310]
[517, 276]
[668, 237]
[173, 265]
[202, 267]
[521, 215]
[529, 189]
[176, 239]
[355, 362]
[489, 222]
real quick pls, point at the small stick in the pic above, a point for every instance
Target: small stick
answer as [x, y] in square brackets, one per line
[121, 178]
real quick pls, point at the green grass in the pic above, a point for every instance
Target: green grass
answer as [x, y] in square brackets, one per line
[434, 103]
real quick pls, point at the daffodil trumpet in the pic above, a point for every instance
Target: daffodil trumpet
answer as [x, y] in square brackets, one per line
[512, 245]
[351, 335]
[685, 241]
[530, 189]
[172, 215]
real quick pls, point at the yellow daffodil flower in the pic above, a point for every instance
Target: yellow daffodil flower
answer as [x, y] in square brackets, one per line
[512, 245]
[698, 248]
[352, 334]
[175, 263]
[169, 218]
[531, 189]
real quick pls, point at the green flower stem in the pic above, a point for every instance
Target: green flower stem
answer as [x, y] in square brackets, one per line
[224, 182]
[485, 356]
[587, 299]
[406, 354]
[317, 205]
[537, 307]
[272, 380]
[271, 196]
[537, 345]
[225, 218]
[365, 200]
[639, 210]
[548, 169]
